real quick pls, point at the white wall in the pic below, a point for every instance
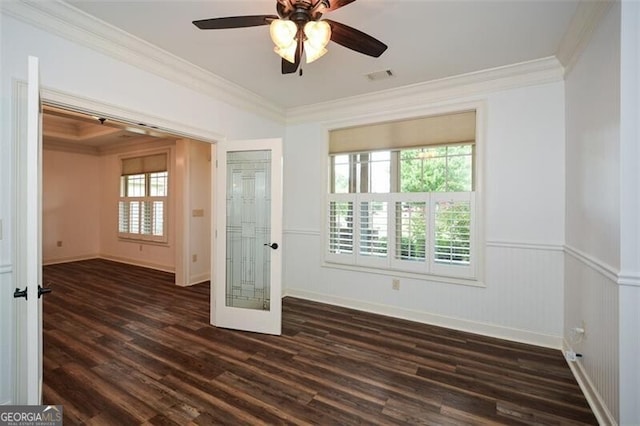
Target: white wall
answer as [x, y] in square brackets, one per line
[71, 68]
[523, 172]
[629, 277]
[71, 195]
[593, 214]
[593, 146]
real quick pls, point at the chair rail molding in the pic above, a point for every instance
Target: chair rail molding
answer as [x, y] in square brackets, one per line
[606, 270]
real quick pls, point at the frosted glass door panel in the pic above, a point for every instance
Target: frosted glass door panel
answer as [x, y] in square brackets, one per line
[248, 230]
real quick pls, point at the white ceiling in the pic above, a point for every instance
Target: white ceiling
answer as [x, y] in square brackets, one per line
[427, 40]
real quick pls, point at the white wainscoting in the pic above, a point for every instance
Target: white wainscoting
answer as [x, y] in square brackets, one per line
[591, 294]
[6, 334]
[522, 299]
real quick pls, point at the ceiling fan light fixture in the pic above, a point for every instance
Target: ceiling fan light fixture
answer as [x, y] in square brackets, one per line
[318, 33]
[312, 53]
[297, 28]
[283, 33]
[288, 53]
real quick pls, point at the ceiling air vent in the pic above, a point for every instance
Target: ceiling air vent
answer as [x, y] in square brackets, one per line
[380, 75]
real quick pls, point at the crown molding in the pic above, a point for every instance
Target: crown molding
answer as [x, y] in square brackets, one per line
[540, 71]
[584, 22]
[60, 18]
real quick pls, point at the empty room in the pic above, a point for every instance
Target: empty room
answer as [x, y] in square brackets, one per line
[321, 212]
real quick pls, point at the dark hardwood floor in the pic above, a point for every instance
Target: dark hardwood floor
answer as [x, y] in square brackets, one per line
[124, 346]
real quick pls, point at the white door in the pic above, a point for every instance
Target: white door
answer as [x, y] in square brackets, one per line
[29, 306]
[246, 291]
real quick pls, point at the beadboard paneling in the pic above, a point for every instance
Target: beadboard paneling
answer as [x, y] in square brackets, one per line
[6, 334]
[521, 299]
[592, 302]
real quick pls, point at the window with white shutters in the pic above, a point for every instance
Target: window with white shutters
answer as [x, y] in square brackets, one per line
[404, 206]
[144, 190]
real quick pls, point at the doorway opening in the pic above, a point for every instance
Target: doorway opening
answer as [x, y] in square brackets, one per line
[126, 192]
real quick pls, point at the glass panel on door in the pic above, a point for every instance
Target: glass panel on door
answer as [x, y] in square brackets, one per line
[248, 230]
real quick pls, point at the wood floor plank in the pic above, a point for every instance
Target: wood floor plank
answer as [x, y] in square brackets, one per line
[123, 345]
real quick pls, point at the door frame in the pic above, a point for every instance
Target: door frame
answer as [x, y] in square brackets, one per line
[83, 105]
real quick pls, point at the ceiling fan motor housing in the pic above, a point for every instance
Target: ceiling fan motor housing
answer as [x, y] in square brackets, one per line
[301, 12]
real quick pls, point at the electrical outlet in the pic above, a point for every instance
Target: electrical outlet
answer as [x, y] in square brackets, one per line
[194, 258]
[59, 243]
[572, 356]
[395, 284]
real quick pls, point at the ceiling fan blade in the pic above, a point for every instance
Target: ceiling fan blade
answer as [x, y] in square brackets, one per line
[288, 67]
[337, 4]
[234, 22]
[356, 40]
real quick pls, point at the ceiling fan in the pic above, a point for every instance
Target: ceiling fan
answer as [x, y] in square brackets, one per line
[297, 29]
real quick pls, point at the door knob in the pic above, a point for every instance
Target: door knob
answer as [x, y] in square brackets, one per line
[273, 246]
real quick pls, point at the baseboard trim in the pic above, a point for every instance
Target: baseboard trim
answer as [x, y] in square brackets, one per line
[490, 330]
[150, 265]
[6, 402]
[118, 259]
[57, 260]
[198, 279]
[597, 404]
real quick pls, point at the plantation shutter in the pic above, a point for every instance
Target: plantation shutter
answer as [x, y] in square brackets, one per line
[143, 198]
[455, 128]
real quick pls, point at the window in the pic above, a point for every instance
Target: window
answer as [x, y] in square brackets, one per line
[406, 208]
[144, 188]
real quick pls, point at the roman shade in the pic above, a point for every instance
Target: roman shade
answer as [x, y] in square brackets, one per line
[146, 164]
[459, 127]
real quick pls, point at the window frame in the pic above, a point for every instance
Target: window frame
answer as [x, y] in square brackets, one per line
[475, 276]
[139, 237]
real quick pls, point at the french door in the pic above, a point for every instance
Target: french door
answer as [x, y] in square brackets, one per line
[247, 287]
[28, 303]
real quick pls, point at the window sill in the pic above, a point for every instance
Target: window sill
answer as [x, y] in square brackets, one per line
[470, 282]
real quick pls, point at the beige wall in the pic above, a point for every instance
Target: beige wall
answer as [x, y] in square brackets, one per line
[71, 206]
[200, 207]
[157, 256]
[80, 208]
